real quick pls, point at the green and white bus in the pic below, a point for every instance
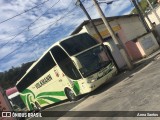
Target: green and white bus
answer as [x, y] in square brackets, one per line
[73, 66]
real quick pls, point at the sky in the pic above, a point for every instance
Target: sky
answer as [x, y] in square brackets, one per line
[27, 31]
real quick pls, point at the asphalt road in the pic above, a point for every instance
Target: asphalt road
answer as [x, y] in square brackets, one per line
[136, 90]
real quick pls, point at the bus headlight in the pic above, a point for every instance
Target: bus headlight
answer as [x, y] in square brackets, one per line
[88, 81]
[91, 79]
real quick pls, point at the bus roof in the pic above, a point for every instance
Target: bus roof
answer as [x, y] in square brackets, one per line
[13, 95]
[11, 91]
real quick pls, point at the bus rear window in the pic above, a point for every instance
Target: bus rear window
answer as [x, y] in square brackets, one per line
[78, 43]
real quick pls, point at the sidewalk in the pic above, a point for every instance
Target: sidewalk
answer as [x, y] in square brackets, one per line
[139, 66]
[147, 59]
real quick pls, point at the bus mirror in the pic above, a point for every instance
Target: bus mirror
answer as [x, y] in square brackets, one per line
[76, 62]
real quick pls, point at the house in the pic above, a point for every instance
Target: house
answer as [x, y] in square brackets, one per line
[130, 32]
[155, 20]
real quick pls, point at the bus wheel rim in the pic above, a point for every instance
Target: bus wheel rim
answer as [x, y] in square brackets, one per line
[71, 94]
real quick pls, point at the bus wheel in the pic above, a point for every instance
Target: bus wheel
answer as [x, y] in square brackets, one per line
[70, 95]
[38, 107]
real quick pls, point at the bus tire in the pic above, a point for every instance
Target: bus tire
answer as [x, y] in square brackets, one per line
[70, 95]
[39, 108]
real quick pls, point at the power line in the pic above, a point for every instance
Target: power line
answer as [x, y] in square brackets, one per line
[11, 35]
[51, 22]
[29, 25]
[23, 12]
[37, 26]
[43, 13]
[38, 34]
[43, 24]
[23, 44]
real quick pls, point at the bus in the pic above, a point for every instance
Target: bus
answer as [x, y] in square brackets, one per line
[5, 106]
[71, 67]
[15, 100]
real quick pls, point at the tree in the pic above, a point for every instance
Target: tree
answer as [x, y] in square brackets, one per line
[144, 5]
[9, 78]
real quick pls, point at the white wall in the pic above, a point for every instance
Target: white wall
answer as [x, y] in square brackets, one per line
[100, 26]
[152, 16]
[148, 43]
[83, 30]
[132, 27]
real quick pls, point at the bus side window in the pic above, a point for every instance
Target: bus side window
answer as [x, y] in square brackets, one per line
[45, 64]
[27, 80]
[65, 63]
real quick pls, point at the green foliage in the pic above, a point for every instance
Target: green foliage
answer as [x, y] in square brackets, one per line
[9, 78]
[144, 5]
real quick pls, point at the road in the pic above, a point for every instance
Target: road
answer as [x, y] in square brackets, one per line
[136, 90]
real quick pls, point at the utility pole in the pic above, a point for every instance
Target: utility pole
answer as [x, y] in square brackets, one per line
[154, 11]
[114, 37]
[91, 21]
[141, 16]
[145, 14]
[94, 27]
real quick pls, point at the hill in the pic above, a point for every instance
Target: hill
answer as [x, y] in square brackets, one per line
[9, 78]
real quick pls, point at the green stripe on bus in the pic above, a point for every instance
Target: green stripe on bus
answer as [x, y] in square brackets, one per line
[23, 97]
[28, 102]
[60, 93]
[51, 99]
[26, 97]
[76, 87]
[28, 91]
[42, 101]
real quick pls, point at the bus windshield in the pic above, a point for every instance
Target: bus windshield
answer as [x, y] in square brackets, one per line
[78, 43]
[93, 60]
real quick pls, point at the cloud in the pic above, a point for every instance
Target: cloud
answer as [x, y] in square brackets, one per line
[56, 23]
[119, 7]
[6, 50]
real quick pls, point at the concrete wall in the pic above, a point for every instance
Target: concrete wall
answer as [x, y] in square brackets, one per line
[152, 16]
[83, 30]
[133, 50]
[147, 44]
[102, 29]
[127, 29]
[115, 53]
[132, 27]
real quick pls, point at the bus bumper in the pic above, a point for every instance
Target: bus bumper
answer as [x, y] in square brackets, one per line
[97, 83]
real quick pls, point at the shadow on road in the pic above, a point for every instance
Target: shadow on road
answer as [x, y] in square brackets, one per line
[66, 105]
[123, 75]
